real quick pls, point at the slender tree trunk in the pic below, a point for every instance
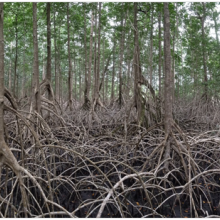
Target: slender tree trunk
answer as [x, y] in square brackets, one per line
[204, 63]
[36, 98]
[106, 86]
[59, 69]
[48, 74]
[75, 80]
[23, 75]
[61, 84]
[90, 58]
[70, 64]
[97, 75]
[121, 56]
[113, 73]
[16, 56]
[55, 60]
[86, 92]
[151, 44]
[103, 69]
[168, 90]
[44, 69]
[173, 60]
[95, 54]
[176, 77]
[80, 81]
[128, 77]
[160, 60]
[121, 60]
[1, 76]
[9, 72]
[204, 52]
[129, 52]
[137, 71]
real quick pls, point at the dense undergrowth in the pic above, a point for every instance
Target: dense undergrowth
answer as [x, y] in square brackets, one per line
[104, 165]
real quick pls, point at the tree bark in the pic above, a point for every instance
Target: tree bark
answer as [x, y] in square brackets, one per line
[1, 76]
[95, 53]
[16, 56]
[113, 72]
[9, 72]
[48, 74]
[205, 80]
[137, 71]
[86, 92]
[55, 60]
[90, 57]
[123, 24]
[103, 69]
[151, 44]
[97, 75]
[160, 60]
[36, 97]
[168, 90]
[23, 74]
[70, 89]
[59, 68]
[173, 58]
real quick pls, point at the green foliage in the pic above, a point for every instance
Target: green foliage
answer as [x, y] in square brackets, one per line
[185, 26]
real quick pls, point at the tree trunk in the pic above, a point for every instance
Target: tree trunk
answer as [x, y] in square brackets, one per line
[151, 44]
[137, 72]
[121, 56]
[129, 61]
[103, 69]
[90, 58]
[36, 98]
[75, 80]
[1, 77]
[204, 52]
[86, 93]
[168, 90]
[44, 69]
[59, 69]
[113, 73]
[97, 75]
[70, 103]
[80, 82]
[106, 87]
[120, 61]
[173, 66]
[160, 60]
[23, 79]
[16, 56]
[48, 74]
[55, 60]
[95, 54]
[9, 72]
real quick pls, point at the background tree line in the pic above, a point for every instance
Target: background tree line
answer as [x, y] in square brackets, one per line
[92, 47]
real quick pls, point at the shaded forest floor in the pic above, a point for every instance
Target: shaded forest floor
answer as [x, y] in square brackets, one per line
[107, 166]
